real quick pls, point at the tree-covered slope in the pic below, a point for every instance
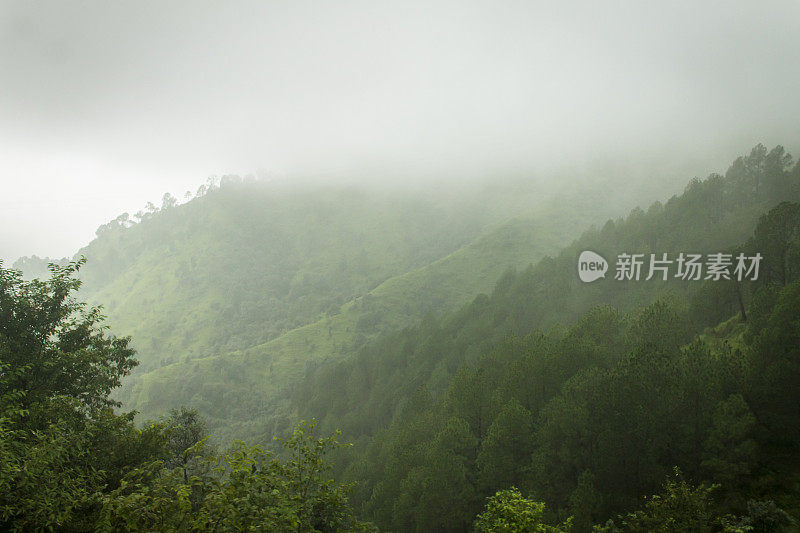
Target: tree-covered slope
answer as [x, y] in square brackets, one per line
[588, 407]
[248, 392]
[711, 216]
[585, 396]
[244, 263]
[257, 391]
[287, 275]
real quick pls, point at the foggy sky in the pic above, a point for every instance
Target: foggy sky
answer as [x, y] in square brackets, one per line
[106, 105]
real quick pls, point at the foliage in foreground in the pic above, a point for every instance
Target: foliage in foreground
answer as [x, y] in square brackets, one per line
[244, 489]
[69, 463]
[509, 511]
[678, 508]
[588, 418]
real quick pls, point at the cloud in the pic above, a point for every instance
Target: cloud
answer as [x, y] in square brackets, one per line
[160, 95]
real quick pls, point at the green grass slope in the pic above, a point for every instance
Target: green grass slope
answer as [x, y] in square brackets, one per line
[244, 264]
[229, 387]
[267, 281]
[250, 392]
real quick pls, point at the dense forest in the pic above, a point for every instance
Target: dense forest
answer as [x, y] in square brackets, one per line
[69, 462]
[474, 382]
[228, 297]
[594, 392]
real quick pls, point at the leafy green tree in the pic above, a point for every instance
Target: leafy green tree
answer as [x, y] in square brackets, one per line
[585, 502]
[774, 396]
[244, 489]
[58, 349]
[69, 463]
[766, 517]
[508, 511]
[680, 507]
[508, 444]
[57, 368]
[447, 499]
[731, 449]
[777, 239]
[184, 430]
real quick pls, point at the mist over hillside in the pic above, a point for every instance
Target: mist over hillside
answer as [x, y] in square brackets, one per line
[452, 329]
[420, 266]
[252, 259]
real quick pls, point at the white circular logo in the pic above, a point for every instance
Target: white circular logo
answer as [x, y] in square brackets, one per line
[591, 266]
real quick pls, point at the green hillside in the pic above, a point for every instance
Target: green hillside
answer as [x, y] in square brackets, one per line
[228, 388]
[510, 389]
[253, 392]
[284, 276]
[542, 400]
[453, 408]
[710, 216]
[243, 263]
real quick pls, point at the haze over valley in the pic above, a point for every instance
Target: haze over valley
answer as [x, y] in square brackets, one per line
[315, 267]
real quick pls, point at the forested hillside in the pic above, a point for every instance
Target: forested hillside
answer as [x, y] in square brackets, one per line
[548, 404]
[411, 267]
[242, 264]
[229, 295]
[509, 390]
[715, 214]
[69, 462]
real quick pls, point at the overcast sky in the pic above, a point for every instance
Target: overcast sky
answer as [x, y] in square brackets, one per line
[106, 105]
